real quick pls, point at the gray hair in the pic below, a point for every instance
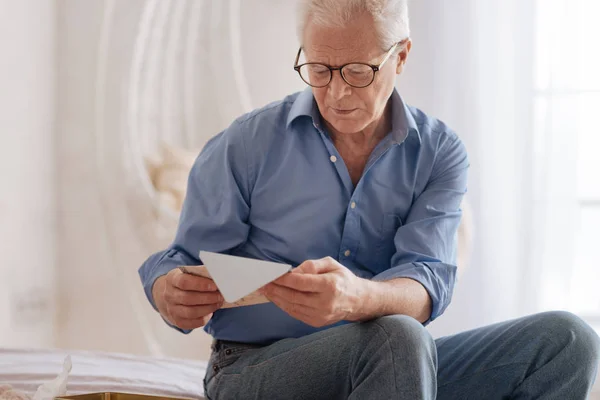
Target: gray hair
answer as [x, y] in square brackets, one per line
[390, 16]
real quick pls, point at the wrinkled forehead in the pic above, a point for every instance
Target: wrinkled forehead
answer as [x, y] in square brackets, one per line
[336, 46]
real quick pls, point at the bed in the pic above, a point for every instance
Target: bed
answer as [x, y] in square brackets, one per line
[26, 369]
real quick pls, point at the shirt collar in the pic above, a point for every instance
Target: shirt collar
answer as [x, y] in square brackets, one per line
[304, 106]
[403, 122]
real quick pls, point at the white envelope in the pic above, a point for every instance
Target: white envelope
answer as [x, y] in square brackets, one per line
[237, 277]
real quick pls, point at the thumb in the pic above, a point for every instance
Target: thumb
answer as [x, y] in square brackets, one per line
[320, 266]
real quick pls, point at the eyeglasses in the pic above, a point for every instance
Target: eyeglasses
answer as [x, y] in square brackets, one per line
[358, 75]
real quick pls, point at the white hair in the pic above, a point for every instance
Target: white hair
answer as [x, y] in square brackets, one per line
[390, 16]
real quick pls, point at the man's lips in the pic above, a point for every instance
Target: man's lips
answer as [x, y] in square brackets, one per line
[343, 111]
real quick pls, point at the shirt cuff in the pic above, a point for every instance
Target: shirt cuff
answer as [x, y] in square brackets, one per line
[436, 277]
[156, 266]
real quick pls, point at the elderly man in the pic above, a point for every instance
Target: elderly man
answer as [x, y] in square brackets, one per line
[361, 194]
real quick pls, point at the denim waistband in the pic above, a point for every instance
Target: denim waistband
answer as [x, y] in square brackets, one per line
[218, 344]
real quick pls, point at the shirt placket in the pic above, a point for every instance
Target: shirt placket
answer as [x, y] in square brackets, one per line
[351, 234]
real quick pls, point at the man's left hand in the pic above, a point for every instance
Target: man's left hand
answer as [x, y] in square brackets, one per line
[319, 293]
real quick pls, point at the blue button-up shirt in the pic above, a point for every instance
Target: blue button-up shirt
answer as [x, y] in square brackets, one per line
[273, 186]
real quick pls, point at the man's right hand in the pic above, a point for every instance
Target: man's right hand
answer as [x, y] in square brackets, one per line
[184, 300]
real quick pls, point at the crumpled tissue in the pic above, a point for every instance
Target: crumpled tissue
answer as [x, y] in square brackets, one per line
[46, 391]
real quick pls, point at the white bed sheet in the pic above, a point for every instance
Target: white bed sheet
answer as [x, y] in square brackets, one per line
[26, 369]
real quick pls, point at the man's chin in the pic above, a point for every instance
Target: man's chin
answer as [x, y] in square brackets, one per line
[346, 127]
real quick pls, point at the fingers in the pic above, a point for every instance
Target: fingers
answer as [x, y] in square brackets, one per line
[176, 296]
[191, 317]
[190, 282]
[305, 282]
[298, 311]
[180, 312]
[189, 300]
[320, 266]
[291, 295]
[190, 290]
[295, 310]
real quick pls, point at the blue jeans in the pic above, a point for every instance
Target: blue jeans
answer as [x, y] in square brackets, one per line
[551, 355]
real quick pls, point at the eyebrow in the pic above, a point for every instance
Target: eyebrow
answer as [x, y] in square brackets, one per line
[372, 61]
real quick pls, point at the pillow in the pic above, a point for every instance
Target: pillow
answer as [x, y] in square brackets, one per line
[169, 172]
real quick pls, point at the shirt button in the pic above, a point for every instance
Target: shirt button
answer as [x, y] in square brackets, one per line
[333, 158]
[353, 205]
[347, 253]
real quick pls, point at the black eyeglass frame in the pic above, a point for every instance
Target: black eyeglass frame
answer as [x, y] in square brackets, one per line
[375, 68]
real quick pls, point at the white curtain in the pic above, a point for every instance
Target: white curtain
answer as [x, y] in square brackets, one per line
[134, 74]
[518, 81]
[471, 67]
[27, 192]
[567, 137]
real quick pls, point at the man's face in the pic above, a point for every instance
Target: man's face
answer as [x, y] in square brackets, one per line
[348, 109]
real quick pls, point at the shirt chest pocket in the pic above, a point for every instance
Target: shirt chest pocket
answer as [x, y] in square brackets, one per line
[385, 247]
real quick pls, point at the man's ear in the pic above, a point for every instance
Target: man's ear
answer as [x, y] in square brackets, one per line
[403, 56]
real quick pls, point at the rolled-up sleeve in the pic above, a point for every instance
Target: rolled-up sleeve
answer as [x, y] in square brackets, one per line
[426, 243]
[215, 211]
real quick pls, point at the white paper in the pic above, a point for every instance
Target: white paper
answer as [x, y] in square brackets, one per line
[237, 277]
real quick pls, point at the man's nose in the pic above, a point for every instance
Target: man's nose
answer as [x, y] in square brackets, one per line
[338, 88]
